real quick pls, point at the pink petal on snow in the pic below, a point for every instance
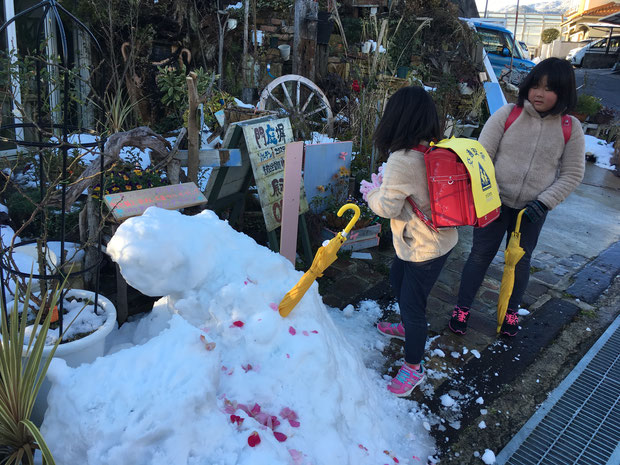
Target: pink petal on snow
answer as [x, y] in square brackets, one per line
[292, 330]
[274, 307]
[297, 456]
[305, 333]
[253, 439]
[281, 437]
[238, 324]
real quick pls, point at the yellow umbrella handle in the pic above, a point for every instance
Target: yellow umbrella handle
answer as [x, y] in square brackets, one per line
[356, 215]
[518, 225]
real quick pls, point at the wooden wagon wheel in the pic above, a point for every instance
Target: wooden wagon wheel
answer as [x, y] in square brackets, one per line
[302, 101]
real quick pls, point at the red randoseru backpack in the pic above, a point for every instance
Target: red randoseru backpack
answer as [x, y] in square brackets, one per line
[450, 191]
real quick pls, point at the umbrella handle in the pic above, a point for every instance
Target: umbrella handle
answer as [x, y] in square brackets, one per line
[356, 215]
[518, 225]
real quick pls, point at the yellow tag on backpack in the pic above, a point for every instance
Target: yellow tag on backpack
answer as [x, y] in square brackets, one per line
[481, 172]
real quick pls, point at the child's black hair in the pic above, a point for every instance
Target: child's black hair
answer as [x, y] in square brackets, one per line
[560, 79]
[410, 116]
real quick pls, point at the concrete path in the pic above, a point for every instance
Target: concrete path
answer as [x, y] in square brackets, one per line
[577, 259]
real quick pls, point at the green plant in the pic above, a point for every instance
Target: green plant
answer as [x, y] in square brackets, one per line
[588, 105]
[172, 83]
[22, 373]
[118, 111]
[549, 35]
[476, 107]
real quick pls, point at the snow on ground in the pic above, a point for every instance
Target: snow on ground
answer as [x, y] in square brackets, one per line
[488, 457]
[214, 363]
[602, 150]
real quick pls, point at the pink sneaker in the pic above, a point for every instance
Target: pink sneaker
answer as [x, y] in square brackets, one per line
[406, 379]
[394, 330]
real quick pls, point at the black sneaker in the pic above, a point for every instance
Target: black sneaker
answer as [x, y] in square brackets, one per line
[458, 322]
[510, 326]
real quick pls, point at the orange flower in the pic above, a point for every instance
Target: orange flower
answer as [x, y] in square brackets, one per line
[54, 314]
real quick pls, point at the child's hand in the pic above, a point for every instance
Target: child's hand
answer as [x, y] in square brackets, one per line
[376, 179]
[366, 187]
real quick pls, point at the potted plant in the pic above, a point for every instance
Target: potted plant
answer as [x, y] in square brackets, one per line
[587, 106]
[84, 331]
[23, 365]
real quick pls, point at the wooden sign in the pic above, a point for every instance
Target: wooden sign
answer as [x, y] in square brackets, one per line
[266, 144]
[326, 172]
[133, 203]
[213, 157]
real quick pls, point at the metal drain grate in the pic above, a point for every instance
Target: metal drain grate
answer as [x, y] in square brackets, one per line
[579, 423]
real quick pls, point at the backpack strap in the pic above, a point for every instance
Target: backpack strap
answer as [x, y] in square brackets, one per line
[420, 214]
[514, 114]
[567, 127]
[567, 122]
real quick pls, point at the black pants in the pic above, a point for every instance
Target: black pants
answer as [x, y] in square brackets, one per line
[412, 283]
[486, 243]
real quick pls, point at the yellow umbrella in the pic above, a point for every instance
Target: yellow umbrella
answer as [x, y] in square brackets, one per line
[512, 255]
[325, 256]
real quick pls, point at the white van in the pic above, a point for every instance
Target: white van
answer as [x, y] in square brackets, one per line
[597, 47]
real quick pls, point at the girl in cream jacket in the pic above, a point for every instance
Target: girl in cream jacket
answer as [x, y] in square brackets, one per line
[409, 121]
[535, 169]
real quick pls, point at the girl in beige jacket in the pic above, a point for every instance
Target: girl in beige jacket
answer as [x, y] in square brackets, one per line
[536, 167]
[409, 121]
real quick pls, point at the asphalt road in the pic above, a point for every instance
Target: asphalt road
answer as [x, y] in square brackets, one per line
[600, 83]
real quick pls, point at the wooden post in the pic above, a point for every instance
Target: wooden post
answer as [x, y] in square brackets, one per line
[192, 128]
[246, 93]
[322, 57]
[290, 199]
[122, 309]
[304, 41]
[220, 49]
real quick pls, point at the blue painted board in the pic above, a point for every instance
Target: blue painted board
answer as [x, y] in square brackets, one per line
[495, 96]
[322, 164]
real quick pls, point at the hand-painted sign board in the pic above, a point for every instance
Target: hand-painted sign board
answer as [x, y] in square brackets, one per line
[325, 167]
[266, 144]
[133, 203]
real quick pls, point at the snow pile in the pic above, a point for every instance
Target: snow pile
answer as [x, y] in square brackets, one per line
[602, 150]
[222, 377]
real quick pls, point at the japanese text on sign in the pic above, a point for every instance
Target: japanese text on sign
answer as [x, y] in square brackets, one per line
[266, 144]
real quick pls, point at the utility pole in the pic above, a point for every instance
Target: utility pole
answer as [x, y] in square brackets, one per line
[514, 40]
[486, 6]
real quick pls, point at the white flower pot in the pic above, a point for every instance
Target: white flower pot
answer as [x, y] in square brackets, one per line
[285, 51]
[75, 353]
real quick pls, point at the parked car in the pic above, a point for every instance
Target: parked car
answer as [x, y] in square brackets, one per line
[500, 47]
[596, 47]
